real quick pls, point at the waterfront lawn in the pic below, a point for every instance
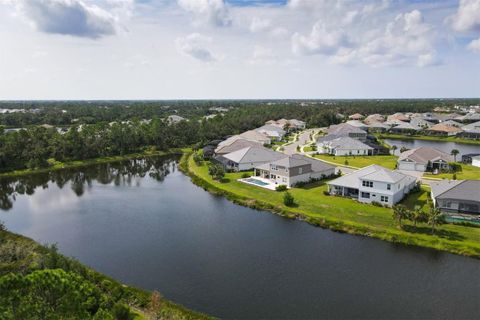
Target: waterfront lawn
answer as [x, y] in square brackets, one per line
[418, 199]
[342, 214]
[387, 161]
[424, 137]
[468, 172]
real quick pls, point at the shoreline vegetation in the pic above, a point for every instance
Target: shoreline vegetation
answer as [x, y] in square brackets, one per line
[337, 213]
[29, 272]
[57, 165]
[383, 136]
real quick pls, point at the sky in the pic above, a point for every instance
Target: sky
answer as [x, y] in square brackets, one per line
[239, 49]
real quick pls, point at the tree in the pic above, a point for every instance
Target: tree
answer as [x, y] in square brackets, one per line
[403, 149]
[216, 171]
[155, 305]
[288, 199]
[454, 153]
[435, 218]
[418, 215]
[400, 212]
[393, 148]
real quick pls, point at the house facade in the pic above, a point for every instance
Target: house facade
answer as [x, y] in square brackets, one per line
[293, 170]
[347, 130]
[424, 159]
[248, 158]
[373, 184]
[343, 146]
[476, 161]
[457, 197]
[273, 132]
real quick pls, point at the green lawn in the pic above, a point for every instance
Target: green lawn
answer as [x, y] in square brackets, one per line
[361, 161]
[468, 172]
[424, 137]
[341, 213]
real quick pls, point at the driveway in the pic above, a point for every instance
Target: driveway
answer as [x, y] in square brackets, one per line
[303, 138]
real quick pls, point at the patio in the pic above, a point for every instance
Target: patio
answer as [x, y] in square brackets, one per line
[259, 182]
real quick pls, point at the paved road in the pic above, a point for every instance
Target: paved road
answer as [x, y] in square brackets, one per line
[304, 138]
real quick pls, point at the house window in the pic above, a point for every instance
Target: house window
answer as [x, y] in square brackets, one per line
[366, 195]
[284, 179]
[368, 184]
[300, 170]
[384, 199]
[274, 167]
[389, 186]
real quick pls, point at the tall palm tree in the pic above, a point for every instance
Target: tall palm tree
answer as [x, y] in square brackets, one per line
[418, 215]
[454, 153]
[435, 218]
[400, 212]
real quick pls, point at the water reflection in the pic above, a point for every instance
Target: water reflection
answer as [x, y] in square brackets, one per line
[125, 173]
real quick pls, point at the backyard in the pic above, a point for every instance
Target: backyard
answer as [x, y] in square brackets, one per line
[387, 161]
[467, 172]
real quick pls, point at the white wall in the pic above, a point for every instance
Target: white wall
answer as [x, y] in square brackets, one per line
[476, 162]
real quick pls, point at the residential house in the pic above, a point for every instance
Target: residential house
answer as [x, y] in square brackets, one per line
[356, 116]
[253, 135]
[373, 183]
[405, 128]
[424, 159]
[468, 158]
[358, 124]
[476, 163]
[471, 131]
[294, 169]
[374, 118]
[273, 132]
[398, 117]
[454, 197]
[343, 146]
[292, 124]
[421, 123]
[236, 145]
[378, 127]
[248, 158]
[443, 130]
[469, 117]
[452, 123]
[347, 130]
[175, 119]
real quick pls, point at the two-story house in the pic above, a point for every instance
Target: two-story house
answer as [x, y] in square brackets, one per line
[373, 183]
[294, 169]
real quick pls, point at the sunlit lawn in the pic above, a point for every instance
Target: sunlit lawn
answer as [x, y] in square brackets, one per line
[468, 172]
[387, 161]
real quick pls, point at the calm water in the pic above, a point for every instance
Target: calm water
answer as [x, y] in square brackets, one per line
[440, 145]
[145, 224]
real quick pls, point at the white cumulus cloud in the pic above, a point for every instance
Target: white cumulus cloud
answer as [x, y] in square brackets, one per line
[467, 17]
[195, 46]
[321, 40]
[475, 45]
[213, 12]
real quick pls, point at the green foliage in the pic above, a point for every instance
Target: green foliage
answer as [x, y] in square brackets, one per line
[288, 199]
[245, 175]
[435, 218]
[122, 312]
[400, 212]
[281, 187]
[216, 171]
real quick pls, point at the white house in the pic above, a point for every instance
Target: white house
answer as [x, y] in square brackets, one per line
[271, 131]
[253, 135]
[342, 146]
[476, 161]
[248, 158]
[373, 183]
[347, 130]
[294, 169]
[424, 159]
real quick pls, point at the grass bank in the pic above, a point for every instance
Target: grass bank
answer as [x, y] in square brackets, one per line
[337, 213]
[58, 165]
[387, 161]
[424, 137]
[22, 258]
[467, 172]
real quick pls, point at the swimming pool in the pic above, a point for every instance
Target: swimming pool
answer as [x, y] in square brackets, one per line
[256, 181]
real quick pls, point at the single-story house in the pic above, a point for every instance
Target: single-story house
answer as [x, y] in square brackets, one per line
[358, 124]
[175, 119]
[271, 131]
[476, 163]
[424, 159]
[443, 130]
[253, 135]
[374, 118]
[452, 123]
[347, 130]
[373, 183]
[398, 117]
[378, 127]
[235, 145]
[469, 117]
[422, 123]
[343, 146]
[467, 158]
[292, 124]
[457, 196]
[294, 169]
[356, 116]
[471, 131]
[248, 158]
[405, 127]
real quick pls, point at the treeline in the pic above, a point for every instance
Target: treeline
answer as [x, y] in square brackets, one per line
[64, 113]
[35, 146]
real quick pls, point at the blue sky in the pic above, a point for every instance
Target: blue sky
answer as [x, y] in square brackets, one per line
[212, 49]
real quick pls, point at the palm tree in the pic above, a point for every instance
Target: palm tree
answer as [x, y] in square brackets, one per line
[418, 215]
[394, 147]
[400, 212]
[454, 153]
[435, 218]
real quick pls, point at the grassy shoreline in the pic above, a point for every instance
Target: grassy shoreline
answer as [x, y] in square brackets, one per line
[31, 257]
[336, 213]
[427, 138]
[82, 163]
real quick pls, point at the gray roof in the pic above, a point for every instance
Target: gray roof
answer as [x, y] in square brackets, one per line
[253, 155]
[373, 172]
[407, 126]
[237, 145]
[419, 122]
[424, 154]
[270, 127]
[472, 126]
[344, 129]
[467, 190]
[297, 160]
[347, 143]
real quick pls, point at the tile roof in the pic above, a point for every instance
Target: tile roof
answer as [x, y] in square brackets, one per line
[444, 128]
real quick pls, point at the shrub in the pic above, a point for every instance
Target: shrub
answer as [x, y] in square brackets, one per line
[281, 187]
[288, 199]
[454, 177]
[346, 162]
[325, 192]
[216, 171]
[122, 312]
[197, 158]
[376, 204]
[245, 175]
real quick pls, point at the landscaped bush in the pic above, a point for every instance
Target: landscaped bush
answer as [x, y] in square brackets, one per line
[376, 204]
[281, 187]
[326, 193]
[245, 175]
[288, 199]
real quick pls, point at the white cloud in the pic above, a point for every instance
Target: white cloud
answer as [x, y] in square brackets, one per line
[213, 12]
[467, 17]
[321, 40]
[474, 46]
[260, 25]
[263, 55]
[69, 17]
[195, 46]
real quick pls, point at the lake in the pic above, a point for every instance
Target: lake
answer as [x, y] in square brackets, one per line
[145, 224]
[445, 146]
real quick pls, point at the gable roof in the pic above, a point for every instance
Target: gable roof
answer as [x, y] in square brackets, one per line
[344, 129]
[373, 172]
[254, 154]
[424, 154]
[467, 190]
